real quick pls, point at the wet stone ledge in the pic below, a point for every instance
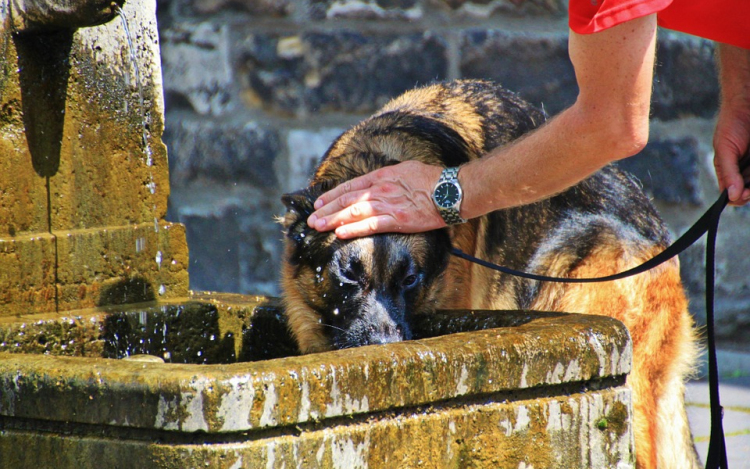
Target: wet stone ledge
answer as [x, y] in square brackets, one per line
[542, 389]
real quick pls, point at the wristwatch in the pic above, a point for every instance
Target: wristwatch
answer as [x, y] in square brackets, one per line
[448, 195]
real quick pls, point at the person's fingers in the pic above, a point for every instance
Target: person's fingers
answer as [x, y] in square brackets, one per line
[350, 213]
[727, 173]
[322, 218]
[729, 178]
[366, 227]
[353, 185]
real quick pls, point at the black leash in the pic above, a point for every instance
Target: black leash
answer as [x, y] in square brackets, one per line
[708, 223]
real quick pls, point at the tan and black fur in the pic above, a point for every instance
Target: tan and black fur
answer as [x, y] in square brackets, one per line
[341, 294]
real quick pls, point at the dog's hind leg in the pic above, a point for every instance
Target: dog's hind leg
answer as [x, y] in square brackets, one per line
[653, 307]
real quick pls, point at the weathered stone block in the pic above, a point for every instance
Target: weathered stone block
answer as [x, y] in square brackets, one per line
[197, 68]
[120, 265]
[487, 8]
[732, 285]
[732, 318]
[669, 170]
[222, 152]
[27, 274]
[685, 82]
[305, 149]
[405, 10]
[336, 71]
[731, 309]
[96, 267]
[255, 8]
[23, 198]
[536, 66]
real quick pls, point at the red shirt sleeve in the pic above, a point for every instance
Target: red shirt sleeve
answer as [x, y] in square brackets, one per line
[725, 21]
[591, 16]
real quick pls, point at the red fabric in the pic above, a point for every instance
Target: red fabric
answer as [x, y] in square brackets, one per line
[725, 21]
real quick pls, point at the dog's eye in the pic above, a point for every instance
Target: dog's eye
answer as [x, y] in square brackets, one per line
[409, 281]
[350, 276]
[352, 273]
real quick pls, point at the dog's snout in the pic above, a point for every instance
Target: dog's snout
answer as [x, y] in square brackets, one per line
[386, 333]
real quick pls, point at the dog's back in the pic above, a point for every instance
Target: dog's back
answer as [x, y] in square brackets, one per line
[601, 226]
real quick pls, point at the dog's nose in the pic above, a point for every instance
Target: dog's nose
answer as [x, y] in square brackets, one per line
[386, 333]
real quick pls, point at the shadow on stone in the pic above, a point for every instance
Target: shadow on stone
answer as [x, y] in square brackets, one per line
[44, 68]
[187, 333]
[446, 322]
[125, 291]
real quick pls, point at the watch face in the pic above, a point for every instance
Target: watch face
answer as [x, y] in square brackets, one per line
[446, 195]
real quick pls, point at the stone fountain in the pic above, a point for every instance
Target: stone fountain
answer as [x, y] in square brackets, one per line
[91, 273]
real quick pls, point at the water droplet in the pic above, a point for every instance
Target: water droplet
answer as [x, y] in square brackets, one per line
[336, 312]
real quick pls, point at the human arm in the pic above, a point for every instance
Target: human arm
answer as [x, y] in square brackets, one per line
[732, 135]
[608, 121]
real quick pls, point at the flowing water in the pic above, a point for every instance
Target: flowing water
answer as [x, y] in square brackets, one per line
[139, 86]
[146, 125]
[141, 101]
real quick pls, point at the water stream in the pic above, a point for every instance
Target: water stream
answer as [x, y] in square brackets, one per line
[144, 113]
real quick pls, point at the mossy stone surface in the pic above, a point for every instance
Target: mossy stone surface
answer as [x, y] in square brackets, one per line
[535, 390]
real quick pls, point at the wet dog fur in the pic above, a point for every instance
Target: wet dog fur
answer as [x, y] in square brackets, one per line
[347, 293]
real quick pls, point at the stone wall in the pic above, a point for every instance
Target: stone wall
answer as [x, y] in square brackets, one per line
[257, 89]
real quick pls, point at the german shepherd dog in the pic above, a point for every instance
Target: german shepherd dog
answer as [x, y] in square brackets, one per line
[348, 293]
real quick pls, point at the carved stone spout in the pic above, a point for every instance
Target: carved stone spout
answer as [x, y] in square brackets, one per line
[53, 15]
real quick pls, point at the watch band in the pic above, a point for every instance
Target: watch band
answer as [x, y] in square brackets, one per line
[451, 216]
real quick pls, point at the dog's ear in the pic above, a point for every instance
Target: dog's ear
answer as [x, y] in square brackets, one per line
[299, 206]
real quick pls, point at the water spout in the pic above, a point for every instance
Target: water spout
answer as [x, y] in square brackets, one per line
[39, 16]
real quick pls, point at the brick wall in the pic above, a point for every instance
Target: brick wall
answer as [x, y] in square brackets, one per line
[257, 89]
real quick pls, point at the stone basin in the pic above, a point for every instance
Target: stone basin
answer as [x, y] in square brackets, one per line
[534, 390]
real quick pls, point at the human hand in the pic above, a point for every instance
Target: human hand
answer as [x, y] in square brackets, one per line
[731, 143]
[732, 136]
[395, 198]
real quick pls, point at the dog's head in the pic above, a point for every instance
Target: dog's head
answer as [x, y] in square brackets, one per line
[348, 293]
